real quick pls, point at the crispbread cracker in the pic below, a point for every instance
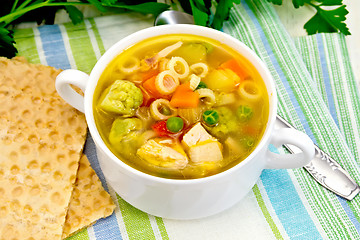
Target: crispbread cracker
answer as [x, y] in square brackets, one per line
[89, 200]
[41, 139]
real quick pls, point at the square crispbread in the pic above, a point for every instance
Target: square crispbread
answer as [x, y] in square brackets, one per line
[41, 139]
[89, 201]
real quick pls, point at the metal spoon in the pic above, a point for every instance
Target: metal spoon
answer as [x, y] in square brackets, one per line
[324, 169]
[173, 17]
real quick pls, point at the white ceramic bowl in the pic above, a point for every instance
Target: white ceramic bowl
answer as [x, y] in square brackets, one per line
[194, 198]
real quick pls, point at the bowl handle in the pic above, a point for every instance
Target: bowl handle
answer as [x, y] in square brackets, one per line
[288, 136]
[64, 89]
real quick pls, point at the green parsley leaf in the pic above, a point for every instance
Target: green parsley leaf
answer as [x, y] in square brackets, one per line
[325, 20]
[318, 24]
[199, 12]
[75, 14]
[298, 3]
[331, 2]
[328, 21]
[148, 7]
[98, 5]
[276, 2]
[7, 48]
[222, 12]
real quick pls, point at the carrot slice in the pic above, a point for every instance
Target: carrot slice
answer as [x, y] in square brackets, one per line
[149, 85]
[184, 97]
[149, 74]
[147, 97]
[234, 66]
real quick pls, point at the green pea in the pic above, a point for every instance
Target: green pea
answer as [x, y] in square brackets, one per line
[250, 142]
[201, 85]
[244, 113]
[174, 124]
[165, 110]
[210, 117]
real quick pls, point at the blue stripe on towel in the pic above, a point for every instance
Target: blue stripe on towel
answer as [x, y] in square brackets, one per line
[107, 229]
[326, 77]
[278, 184]
[90, 152]
[53, 46]
[283, 196]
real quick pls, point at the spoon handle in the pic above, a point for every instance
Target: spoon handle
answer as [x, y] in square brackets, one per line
[325, 170]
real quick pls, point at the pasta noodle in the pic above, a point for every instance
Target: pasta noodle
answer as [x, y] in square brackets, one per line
[194, 81]
[225, 99]
[249, 91]
[156, 107]
[163, 64]
[179, 66]
[166, 82]
[207, 95]
[131, 65]
[200, 69]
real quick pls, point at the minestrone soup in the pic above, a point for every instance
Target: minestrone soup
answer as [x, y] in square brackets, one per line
[181, 106]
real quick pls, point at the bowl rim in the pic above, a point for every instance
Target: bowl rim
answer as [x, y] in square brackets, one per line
[154, 31]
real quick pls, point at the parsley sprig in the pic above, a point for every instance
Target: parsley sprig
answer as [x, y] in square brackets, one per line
[21, 9]
[330, 15]
[210, 13]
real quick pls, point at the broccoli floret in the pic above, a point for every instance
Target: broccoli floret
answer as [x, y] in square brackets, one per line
[121, 127]
[124, 135]
[122, 97]
[227, 123]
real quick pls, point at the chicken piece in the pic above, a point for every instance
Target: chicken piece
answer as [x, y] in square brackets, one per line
[206, 151]
[196, 135]
[163, 154]
[201, 146]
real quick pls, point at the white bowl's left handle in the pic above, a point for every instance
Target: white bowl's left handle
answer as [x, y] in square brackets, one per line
[62, 85]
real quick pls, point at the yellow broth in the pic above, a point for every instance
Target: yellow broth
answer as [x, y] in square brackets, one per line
[235, 145]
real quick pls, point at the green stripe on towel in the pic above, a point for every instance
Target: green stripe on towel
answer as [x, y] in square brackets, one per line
[82, 235]
[26, 45]
[79, 40]
[137, 223]
[162, 228]
[266, 213]
[97, 36]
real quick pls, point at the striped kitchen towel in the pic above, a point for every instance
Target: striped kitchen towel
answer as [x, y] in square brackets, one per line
[317, 94]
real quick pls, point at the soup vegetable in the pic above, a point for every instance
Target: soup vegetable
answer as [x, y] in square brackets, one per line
[181, 106]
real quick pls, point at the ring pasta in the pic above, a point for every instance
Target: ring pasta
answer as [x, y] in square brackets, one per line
[166, 82]
[156, 107]
[207, 95]
[225, 99]
[179, 66]
[248, 90]
[194, 81]
[130, 65]
[200, 69]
